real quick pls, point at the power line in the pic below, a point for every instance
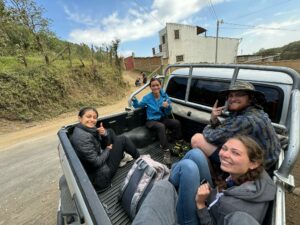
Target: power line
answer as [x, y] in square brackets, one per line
[145, 11]
[256, 27]
[251, 13]
[213, 9]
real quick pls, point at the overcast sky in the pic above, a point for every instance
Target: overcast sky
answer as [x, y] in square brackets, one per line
[258, 23]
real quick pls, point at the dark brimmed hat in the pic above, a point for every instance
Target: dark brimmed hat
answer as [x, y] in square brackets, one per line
[247, 87]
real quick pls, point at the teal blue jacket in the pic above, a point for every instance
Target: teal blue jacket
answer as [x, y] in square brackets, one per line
[154, 108]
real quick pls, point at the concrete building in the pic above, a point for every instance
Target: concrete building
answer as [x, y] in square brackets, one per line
[183, 44]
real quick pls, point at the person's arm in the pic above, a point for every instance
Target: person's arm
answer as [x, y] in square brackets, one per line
[141, 104]
[166, 107]
[228, 128]
[204, 217]
[215, 113]
[104, 134]
[203, 214]
[89, 154]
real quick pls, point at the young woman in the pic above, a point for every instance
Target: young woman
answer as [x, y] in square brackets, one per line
[158, 107]
[247, 189]
[99, 150]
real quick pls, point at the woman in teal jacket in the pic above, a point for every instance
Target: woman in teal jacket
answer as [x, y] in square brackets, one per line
[158, 107]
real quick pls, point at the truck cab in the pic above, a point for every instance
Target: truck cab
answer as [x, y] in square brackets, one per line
[193, 89]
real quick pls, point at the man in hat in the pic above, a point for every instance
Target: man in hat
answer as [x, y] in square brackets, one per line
[245, 117]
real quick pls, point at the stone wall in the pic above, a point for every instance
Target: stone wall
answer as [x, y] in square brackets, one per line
[148, 64]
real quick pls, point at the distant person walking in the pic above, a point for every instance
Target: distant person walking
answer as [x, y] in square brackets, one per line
[144, 77]
[138, 82]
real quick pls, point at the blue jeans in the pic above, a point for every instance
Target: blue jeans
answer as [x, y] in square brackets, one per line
[186, 176]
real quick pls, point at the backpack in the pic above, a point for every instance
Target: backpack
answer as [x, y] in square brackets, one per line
[139, 181]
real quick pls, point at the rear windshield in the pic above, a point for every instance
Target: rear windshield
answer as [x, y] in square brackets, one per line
[205, 92]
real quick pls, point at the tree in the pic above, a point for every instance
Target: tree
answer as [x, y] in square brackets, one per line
[14, 38]
[26, 13]
[83, 51]
[114, 53]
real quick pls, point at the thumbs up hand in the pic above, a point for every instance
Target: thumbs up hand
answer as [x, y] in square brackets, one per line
[165, 104]
[101, 130]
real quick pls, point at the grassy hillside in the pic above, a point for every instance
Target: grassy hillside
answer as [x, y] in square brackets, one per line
[39, 92]
[289, 51]
[43, 76]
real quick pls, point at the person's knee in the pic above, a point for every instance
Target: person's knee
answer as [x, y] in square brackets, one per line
[189, 168]
[195, 153]
[177, 123]
[196, 140]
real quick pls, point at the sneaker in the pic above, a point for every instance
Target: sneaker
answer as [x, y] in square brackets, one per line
[127, 158]
[167, 157]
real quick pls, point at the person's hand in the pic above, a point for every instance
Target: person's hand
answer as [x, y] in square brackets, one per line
[101, 130]
[202, 194]
[109, 147]
[165, 104]
[215, 112]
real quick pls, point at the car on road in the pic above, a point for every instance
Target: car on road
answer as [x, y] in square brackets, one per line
[193, 89]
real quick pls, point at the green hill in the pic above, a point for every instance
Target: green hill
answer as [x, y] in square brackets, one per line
[289, 51]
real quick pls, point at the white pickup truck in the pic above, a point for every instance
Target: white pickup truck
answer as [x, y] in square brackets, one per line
[193, 90]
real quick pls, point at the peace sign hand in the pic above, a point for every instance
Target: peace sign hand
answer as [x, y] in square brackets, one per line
[216, 111]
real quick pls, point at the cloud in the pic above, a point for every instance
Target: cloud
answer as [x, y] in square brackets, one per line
[262, 37]
[79, 18]
[139, 21]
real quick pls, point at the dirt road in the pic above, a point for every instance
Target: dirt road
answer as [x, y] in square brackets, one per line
[30, 170]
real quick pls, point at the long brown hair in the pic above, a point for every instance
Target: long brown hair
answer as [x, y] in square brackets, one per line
[255, 154]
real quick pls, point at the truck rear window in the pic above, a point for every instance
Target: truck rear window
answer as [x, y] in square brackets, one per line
[177, 88]
[205, 92]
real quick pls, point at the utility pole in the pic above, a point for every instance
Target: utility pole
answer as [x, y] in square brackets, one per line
[217, 39]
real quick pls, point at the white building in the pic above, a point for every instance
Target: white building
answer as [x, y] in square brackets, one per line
[182, 44]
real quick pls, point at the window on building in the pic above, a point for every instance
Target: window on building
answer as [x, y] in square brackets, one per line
[179, 58]
[163, 39]
[160, 48]
[176, 34]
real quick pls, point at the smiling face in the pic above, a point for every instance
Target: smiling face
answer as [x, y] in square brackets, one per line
[88, 119]
[234, 158]
[155, 87]
[238, 100]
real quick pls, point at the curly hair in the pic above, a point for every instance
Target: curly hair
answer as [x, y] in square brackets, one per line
[255, 154]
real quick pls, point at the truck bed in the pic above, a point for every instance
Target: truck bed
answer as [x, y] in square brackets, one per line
[109, 197]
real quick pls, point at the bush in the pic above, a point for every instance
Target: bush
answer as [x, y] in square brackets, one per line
[36, 93]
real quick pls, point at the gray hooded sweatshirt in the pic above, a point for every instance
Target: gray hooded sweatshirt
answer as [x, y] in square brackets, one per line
[251, 197]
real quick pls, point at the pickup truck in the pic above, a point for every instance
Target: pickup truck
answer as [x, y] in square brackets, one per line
[193, 90]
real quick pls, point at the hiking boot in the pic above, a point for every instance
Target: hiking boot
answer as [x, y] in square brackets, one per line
[127, 158]
[167, 157]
